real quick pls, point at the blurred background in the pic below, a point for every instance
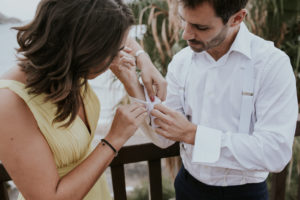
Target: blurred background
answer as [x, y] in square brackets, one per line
[158, 31]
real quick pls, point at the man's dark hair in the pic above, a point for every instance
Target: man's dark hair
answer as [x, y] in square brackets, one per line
[223, 8]
[65, 40]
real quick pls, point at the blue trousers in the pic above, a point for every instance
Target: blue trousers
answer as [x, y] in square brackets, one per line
[189, 188]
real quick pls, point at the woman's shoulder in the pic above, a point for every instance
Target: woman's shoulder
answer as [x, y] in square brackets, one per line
[12, 107]
[14, 112]
[12, 88]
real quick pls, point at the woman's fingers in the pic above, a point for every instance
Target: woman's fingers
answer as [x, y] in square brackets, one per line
[138, 111]
[141, 118]
[127, 61]
[161, 92]
[127, 49]
[134, 106]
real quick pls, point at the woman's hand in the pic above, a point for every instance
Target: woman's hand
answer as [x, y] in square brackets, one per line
[126, 121]
[125, 70]
[124, 67]
[154, 82]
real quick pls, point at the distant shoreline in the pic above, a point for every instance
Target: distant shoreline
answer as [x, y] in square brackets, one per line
[8, 20]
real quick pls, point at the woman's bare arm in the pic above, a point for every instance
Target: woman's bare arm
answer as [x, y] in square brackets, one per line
[29, 160]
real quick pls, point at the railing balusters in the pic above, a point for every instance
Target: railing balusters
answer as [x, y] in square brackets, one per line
[118, 179]
[3, 178]
[3, 192]
[298, 198]
[155, 179]
[278, 185]
[153, 154]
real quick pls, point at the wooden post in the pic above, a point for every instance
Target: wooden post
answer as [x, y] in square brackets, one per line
[155, 179]
[298, 198]
[4, 177]
[279, 185]
[118, 179]
[3, 192]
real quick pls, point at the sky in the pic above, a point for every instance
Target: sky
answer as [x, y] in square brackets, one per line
[22, 9]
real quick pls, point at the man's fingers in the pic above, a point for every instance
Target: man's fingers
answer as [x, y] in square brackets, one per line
[164, 109]
[161, 124]
[161, 116]
[162, 132]
[158, 114]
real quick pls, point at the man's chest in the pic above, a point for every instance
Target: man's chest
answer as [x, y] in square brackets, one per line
[213, 95]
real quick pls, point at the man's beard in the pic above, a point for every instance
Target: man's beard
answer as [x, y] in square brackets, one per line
[216, 41]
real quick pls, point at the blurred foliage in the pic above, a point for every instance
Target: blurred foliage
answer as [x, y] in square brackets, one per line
[292, 181]
[278, 21]
[142, 192]
[275, 20]
[163, 37]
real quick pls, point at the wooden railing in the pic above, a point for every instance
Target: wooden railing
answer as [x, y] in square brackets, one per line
[153, 155]
[138, 153]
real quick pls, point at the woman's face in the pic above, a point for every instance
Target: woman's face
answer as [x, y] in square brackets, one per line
[94, 72]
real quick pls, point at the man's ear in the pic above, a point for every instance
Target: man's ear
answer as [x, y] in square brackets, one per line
[237, 18]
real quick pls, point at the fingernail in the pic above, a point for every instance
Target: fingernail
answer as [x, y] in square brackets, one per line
[152, 98]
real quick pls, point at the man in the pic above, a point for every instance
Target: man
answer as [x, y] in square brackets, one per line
[231, 103]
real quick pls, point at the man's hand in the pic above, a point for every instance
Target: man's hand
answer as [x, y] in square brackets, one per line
[173, 125]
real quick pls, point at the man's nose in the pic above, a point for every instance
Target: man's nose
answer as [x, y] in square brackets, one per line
[188, 33]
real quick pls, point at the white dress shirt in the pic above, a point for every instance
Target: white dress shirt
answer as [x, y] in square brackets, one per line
[209, 93]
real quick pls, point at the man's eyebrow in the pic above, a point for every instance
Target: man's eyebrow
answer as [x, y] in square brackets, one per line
[199, 25]
[121, 48]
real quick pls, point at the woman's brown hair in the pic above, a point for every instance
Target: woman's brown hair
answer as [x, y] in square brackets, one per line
[65, 40]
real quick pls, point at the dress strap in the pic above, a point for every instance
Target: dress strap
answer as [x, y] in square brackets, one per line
[17, 87]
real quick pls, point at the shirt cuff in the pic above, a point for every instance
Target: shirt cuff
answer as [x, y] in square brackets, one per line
[207, 146]
[149, 106]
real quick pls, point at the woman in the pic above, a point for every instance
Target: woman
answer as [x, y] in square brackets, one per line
[49, 113]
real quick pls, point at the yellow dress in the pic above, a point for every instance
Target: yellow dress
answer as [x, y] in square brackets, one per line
[71, 145]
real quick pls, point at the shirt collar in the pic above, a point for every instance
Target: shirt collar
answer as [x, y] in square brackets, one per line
[242, 42]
